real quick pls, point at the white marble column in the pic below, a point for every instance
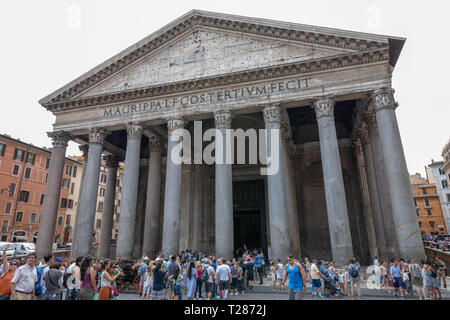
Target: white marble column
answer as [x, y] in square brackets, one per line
[403, 209]
[151, 231]
[50, 206]
[85, 221]
[276, 185]
[341, 240]
[172, 193]
[224, 188]
[127, 218]
[112, 164]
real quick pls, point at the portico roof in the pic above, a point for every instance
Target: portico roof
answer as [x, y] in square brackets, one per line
[336, 48]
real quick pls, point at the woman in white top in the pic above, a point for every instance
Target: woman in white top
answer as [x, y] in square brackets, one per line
[280, 271]
[273, 270]
[106, 280]
[384, 277]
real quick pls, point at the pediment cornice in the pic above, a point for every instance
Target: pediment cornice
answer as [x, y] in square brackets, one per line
[368, 48]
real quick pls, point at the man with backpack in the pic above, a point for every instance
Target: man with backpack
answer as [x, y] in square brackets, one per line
[42, 269]
[355, 277]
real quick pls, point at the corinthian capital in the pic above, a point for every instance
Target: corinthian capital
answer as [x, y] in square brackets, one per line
[134, 131]
[174, 124]
[111, 161]
[324, 108]
[59, 138]
[155, 144]
[383, 99]
[97, 135]
[272, 113]
[222, 119]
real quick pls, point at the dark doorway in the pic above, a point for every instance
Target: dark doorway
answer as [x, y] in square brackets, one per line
[249, 218]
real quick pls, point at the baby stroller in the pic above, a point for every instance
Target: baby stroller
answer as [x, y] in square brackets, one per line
[332, 286]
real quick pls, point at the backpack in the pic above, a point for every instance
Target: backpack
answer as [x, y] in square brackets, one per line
[205, 275]
[37, 286]
[354, 273]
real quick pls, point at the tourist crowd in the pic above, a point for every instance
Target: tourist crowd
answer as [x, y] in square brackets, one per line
[438, 241]
[196, 275]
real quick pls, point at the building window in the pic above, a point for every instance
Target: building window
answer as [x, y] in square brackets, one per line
[417, 211]
[70, 204]
[98, 223]
[41, 201]
[23, 196]
[19, 216]
[33, 218]
[444, 184]
[100, 207]
[429, 212]
[16, 169]
[2, 149]
[19, 154]
[72, 187]
[432, 224]
[440, 171]
[66, 183]
[46, 177]
[5, 226]
[448, 197]
[31, 157]
[424, 190]
[47, 163]
[68, 219]
[8, 208]
[63, 204]
[420, 224]
[68, 170]
[74, 173]
[27, 174]
[427, 202]
[60, 220]
[415, 202]
[102, 192]
[12, 189]
[103, 178]
[39, 220]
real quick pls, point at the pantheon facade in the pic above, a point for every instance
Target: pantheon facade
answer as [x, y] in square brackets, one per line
[342, 189]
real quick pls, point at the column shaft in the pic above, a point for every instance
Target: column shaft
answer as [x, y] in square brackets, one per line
[278, 216]
[403, 209]
[50, 207]
[108, 208]
[152, 226]
[172, 193]
[224, 188]
[85, 221]
[127, 219]
[340, 236]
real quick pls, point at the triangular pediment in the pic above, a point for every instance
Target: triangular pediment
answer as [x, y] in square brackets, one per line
[208, 53]
[204, 45]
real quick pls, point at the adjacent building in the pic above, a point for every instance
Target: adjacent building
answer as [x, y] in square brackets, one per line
[437, 176]
[23, 177]
[428, 206]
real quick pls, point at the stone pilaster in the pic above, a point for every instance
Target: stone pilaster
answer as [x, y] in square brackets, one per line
[340, 236]
[397, 176]
[127, 219]
[50, 206]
